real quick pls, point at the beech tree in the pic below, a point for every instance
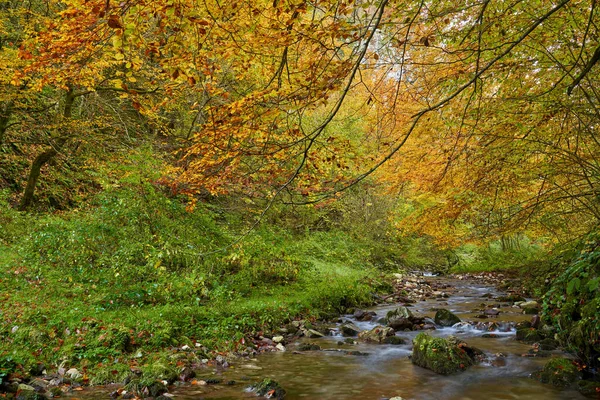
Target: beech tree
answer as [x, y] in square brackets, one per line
[498, 98]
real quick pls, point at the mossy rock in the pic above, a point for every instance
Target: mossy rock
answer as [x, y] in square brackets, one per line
[443, 356]
[445, 317]
[528, 335]
[560, 372]
[376, 335]
[588, 388]
[531, 310]
[269, 387]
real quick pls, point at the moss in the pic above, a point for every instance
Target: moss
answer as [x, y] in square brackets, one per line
[443, 356]
[560, 372]
[528, 335]
[588, 388]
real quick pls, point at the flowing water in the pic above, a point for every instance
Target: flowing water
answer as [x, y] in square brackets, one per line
[386, 371]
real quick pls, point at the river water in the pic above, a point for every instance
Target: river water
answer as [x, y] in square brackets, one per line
[386, 371]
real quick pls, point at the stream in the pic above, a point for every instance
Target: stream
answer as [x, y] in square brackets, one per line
[386, 371]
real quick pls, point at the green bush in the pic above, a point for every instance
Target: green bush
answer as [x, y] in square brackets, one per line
[572, 304]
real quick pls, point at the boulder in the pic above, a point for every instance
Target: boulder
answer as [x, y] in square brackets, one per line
[376, 335]
[349, 329]
[362, 315]
[443, 356]
[561, 372]
[400, 319]
[444, 317]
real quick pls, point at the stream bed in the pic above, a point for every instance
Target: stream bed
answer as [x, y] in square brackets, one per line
[386, 370]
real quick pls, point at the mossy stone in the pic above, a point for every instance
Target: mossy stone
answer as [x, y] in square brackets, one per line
[560, 372]
[443, 356]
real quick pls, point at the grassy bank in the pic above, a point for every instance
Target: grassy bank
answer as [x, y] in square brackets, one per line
[134, 275]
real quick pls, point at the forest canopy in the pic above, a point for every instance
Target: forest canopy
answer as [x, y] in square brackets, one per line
[483, 113]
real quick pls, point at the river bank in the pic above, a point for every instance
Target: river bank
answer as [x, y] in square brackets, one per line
[324, 359]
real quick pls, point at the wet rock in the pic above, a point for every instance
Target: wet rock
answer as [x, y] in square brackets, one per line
[400, 319]
[269, 387]
[561, 372]
[362, 315]
[491, 312]
[535, 321]
[376, 335]
[395, 340]
[186, 374]
[355, 353]
[445, 317]
[309, 347]
[349, 329]
[311, 333]
[443, 356]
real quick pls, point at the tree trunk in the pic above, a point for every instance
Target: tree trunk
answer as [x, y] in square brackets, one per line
[34, 174]
[44, 157]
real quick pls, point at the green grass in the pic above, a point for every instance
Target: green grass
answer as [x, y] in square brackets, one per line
[134, 275]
